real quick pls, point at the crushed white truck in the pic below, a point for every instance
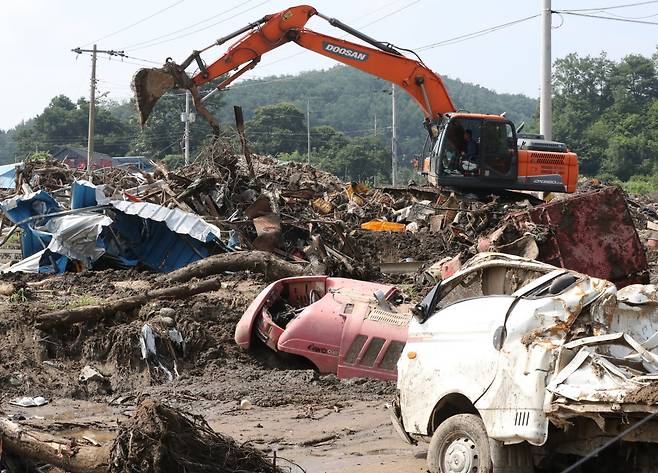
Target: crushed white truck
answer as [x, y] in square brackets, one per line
[514, 366]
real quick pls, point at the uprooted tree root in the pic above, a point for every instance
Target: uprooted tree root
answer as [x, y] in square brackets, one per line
[160, 439]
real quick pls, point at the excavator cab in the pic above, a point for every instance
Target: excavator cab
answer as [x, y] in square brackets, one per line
[474, 151]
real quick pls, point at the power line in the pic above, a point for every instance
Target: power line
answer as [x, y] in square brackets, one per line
[151, 44]
[634, 17]
[615, 7]
[565, 12]
[343, 36]
[136, 23]
[475, 34]
[187, 27]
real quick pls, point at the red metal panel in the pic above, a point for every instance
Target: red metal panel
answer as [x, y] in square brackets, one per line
[592, 233]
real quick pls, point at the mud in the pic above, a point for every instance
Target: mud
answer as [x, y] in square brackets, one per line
[211, 365]
[309, 417]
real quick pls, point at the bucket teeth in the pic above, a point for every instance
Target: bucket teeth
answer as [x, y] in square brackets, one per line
[149, 85]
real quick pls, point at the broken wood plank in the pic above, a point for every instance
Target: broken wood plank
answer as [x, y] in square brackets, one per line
[270, 266]
[74, 315]
[62, 453]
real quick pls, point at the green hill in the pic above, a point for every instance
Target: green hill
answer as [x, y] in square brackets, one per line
[349, 100]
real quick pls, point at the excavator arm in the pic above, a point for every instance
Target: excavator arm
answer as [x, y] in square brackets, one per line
[270, 32]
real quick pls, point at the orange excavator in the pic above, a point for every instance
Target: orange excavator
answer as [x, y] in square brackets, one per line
[465, 150]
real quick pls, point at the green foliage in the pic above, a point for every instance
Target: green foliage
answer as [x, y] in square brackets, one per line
[277, 128]
[356, 159]
[65, 123]
[173, 161]
[83, 301]
[19, 296]
[607, 112]
[351, 101]
[641, 184]
[7, 146]
[38, 156]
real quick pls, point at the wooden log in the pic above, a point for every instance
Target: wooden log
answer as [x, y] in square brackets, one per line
[270, 266]
[38, 446]
[74, 315]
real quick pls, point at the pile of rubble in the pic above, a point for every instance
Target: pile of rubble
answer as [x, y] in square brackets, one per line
[157, 438]
[111, 322]
[225, 203]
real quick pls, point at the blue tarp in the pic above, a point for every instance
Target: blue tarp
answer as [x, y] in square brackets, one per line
[8, 176]
[131, 233]
[21, 208]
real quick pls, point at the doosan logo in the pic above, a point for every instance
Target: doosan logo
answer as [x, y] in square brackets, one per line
[345, 52]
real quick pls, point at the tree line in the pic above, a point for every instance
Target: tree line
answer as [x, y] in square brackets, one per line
[350, 121]
[605, 110]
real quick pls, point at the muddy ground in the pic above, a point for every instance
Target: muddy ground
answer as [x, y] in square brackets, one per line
[319, 422]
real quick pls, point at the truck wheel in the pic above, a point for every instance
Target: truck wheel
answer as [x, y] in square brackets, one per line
[460, 445]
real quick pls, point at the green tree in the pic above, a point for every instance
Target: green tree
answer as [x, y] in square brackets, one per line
[277, 128]
[7, 146]
[363, 158]
[582, 94]
[606, 111]
[65, 123]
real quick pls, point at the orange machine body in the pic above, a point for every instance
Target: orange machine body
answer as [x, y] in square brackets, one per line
[508, 168]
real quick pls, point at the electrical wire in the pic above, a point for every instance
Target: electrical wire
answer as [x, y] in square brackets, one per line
[135, 23]
[475, 34]
[633, 17]
[565, 12]
[200, 29]
[615, 7]
[185, 28]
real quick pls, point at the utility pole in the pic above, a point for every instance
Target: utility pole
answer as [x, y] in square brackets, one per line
[187, 119]
[92, 113]
[546, 89]
[375, 123]
[308, 130]
[394, 141]
[92, 98]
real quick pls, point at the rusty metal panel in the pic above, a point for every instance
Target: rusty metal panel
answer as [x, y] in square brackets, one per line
[592, 233]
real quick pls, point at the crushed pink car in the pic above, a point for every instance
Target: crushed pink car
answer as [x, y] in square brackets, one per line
[343, 326]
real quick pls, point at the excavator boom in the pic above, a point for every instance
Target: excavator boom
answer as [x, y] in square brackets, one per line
[478, 151]
[270, 32]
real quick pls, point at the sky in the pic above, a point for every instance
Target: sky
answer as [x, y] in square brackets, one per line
[36, 38]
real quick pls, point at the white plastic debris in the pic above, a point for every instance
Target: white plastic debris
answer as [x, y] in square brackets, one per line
[90, 374]
[27, 401]
[246, 405]
[175, 336]
[147, 341]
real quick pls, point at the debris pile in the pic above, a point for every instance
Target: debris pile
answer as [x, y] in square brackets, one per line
[157, 439]
[225, 202]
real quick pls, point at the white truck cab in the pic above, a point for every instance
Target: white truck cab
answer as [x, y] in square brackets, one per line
[509, 351]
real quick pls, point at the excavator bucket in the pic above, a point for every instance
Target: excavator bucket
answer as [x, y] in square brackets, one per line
[149, 85]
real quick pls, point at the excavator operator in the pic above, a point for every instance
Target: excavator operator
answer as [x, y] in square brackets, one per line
[470, 153]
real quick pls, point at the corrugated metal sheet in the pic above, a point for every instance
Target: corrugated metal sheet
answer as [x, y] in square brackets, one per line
[176, 220]
[8, 176]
